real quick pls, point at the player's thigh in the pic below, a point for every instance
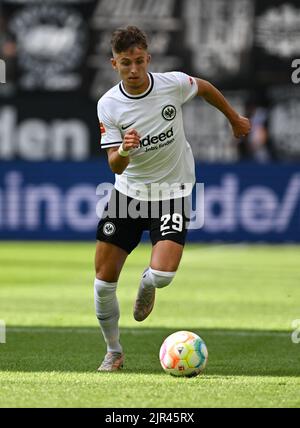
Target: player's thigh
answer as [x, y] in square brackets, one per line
[166, 256]
[168, 234]
[109, 260]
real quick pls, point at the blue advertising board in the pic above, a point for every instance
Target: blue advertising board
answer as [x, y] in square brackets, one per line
[250, 202]
[58, 201]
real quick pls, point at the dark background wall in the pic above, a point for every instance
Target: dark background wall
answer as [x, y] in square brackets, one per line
[57, 67]
[57, 55]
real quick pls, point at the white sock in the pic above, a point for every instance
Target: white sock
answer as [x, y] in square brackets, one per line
[108, 313]
[147, 281]
[155, 278]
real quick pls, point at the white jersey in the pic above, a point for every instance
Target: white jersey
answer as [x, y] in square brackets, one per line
[164, 155]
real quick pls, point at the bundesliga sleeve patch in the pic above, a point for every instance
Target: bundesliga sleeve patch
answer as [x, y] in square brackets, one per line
[102, 129]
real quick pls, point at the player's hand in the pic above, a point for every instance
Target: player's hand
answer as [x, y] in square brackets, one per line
[241, 126]
[131, 140]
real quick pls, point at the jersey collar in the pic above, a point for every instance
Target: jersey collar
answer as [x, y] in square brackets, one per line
[143, 95]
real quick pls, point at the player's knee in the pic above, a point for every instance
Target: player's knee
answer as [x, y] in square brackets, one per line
[161, 279]
[107, 275]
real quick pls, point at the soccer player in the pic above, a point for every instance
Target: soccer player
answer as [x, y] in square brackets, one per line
[142, 132]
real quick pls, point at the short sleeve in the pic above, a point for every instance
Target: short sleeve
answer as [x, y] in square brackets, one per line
[188, 86]
[109, 133]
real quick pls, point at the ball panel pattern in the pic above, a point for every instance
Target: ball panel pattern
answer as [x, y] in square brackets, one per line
[183, 353]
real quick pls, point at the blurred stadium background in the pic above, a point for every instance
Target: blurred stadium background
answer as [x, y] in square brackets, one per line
[57, 59]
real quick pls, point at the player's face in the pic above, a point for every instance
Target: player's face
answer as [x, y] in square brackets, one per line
[132, 66]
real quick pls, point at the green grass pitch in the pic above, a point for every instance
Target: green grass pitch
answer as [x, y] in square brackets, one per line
[241, 300]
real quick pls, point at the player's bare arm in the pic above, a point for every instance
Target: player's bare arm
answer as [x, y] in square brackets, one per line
[240, 125]
[117, 162]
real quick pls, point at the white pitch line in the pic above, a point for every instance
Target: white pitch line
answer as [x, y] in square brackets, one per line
[137, 331]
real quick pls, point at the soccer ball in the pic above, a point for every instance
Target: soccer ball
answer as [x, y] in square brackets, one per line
[183, 354]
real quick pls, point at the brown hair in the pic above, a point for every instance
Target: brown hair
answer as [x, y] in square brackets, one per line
[129, 37]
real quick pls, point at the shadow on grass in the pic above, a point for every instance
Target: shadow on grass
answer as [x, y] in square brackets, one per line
[80, 350]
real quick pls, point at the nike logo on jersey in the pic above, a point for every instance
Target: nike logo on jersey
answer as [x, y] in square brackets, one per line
[166, 233]
[127, 126]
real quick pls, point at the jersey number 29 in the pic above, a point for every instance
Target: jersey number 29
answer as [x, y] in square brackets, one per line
[171, 223]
